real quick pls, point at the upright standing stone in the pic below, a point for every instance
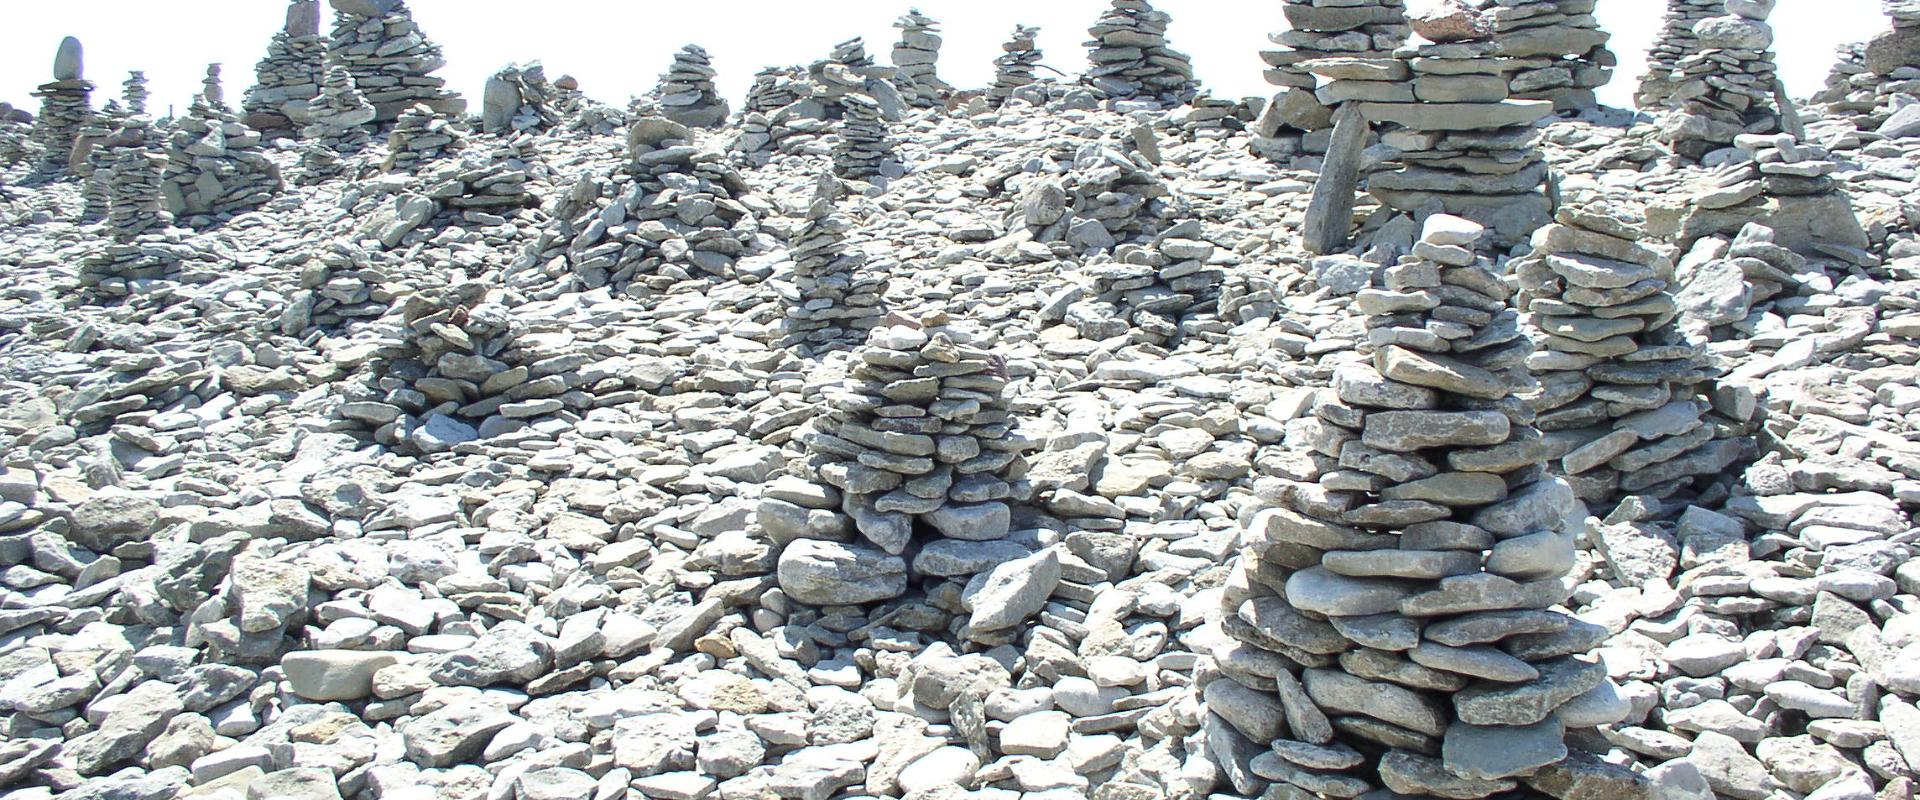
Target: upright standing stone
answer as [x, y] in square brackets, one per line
[1727, 88]
[1675, 41]
[686, 93]
[1131, 59]
[392, 62]
[65, 108]
[1013, 70]
[917, 57]
[287, 81]
[1330, 212]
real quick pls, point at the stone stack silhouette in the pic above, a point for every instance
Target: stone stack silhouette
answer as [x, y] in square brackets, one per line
[1013, 69]
[1131, 58]
[288, 80]
[836, 297]
[391, 60]
[216, 166]
[917, 57]
[686, 93]
[1675, 41]
[1726, 89]
[65, 107]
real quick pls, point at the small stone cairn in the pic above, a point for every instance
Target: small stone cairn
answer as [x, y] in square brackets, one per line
[1675, 41]
[1393, 623]
[864, 143]
[137, 222]
[519, 98]
[1622, 405]
[1773, 178]
[1142, 291]
[392, 62]
[1013, 69]
[420, 136]
[134, 93]
[913, 457]
[1561, 46]
[835, 296]
[287, 81]
[1131, 59]
[337, 126]
[90, 160]
[775, 88]
[916, 57]
[686, 93]
[1370, 29]
[1728, 88]
[215, 164]
[65, 108]
[1870, 77]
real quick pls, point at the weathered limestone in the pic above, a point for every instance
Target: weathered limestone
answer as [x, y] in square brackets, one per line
[519, 98]
[420, 136]
[65, 108]
[1368, 31]
[215, 167]
[1726, 89]
[1013, 69]
[1131, 59]
[686, 94]
[392, 62]
[287, 81]
[1675, 41]
[1561, 48]
[864, 144]
[1773, 179]
[836, 298]
[917, 57]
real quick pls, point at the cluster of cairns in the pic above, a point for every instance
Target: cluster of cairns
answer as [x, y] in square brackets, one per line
[836, 297]
[390, 59]
[1623, 405]
[912, 466]
[136, 218]
[1013, 69]
[216, 166]
[1392, 623]
[1131, 59]
[287, 81]
[1143, 292]
[418, 137]
[1727, 88]
[337, 127]
[1675, 41]
[519, 98]
[65, 108]
[916, 58]
[1560, 48]
[1341, 29]
[1873, 81]
[686, 93]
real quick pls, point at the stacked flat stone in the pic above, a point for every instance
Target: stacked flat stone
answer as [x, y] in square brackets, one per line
[90, 166]
[134, 93]
[1462, 144]
[1131, 59]
[65, 108]
[1622, 406]
[339, 121]
[1367, 29]
[135, 218]
[390, 59]
[836, 298]
[775, 88]
[519, 98]
[1013, 70]
[287, 81]
[1675, 41]
[686, 93]
[1561, 47]
[864, 143]
[917, 58]
[1779, 180]
[1727, 88]
[1726, 278]
[917, 444]
[1869, 76]
[215, 164]
[418, 137]
[1394, 625]
[16, 136]
[1105, 198]
[1142, 292]
[486, 183]
[847, 71]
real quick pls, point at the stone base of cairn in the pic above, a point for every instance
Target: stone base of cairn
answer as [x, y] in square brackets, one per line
[1561, 49]
[1369, 29]
[419, 137]
[911, 470]
[835, 298]
[864, 144]
[1395, 624]
[288, 80]
[686, 93]
[1131, 59]
[65, 109]
[916, 57]
[1674, 42]
[1143, 292]
[1726, 89]
[1013, 70]
[1869, 76]
[215, 166]
[519, 98]
[1772, 178]
[1623, 403]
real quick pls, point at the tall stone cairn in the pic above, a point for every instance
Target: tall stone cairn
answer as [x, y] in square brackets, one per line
[1726, 89]
[1622, 404]
[1869, 75]
[1013, 70]
[917, 57]
[90, 166]
[686, 93]
[287, 80]
[1393, 624]
[519, 98]
[65, 108]
[1675, 41]
[339, 120]
[1562, 47]
[136, 219]
[215, 166]
[1370, 29]
[864, 143]
[420, 136]
[836, 298]
[391, 60]
[918, 443]
[1131, 59]
[134, 93]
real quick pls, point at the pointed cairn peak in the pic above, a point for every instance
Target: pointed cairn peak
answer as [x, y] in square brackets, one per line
[917, 57]
[1131, 59]
[1014, 68]
[827, 191]
[686, 92]
[211, 93]
[134, 91]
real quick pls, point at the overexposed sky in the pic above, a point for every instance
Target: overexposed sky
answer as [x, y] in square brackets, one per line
[618, 48]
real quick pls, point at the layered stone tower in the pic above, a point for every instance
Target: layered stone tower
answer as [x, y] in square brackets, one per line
[392, 62]
[917, 57]
[1675, 41]
[686, 94]
[1013, 69]
[215, 164]
[836, 297]
[287, 81]
[1729, 87]
[65, 107]
[1561, 47]
[1371, 29]
[1131, 58]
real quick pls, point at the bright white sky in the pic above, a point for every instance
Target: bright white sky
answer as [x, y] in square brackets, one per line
[618, 48]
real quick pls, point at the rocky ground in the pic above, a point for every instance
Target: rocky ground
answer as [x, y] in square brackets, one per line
[366, 501]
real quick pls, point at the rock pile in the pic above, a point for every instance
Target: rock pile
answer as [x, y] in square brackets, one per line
[1392, 625]
[287, 81]
[392, 62]
[916, 57]
[420, 136]
[134, 93]
[1131, 59]
[835, 297]
[1675, 41]
[1623, 405]
[487, 184]
[864, 143]
[65, 108]
[1726, 89]
[337, 127]
[1562, 50]
[215, 164]
[136, 220]
[1142, 292]
[686, 93]
[1874, 80]
[89, 162]
[1775, 178]
[916, 451]
[1013, 69]
[518, 98]
[1105, 197]
[1317, 29]
[1725, 278]
[775, 88]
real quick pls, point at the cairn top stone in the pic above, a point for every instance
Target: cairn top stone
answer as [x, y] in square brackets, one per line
[68, 61]
[303, 18]
[366, 8]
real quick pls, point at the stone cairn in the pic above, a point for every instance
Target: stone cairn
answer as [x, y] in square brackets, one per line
[1675, 41]
[774, 88]
[1773, 178]
[1869, 76]
[336, 127]
[1142, 291]
[134, 93]
[1561, 47]
[1131, 59]
[1622, 406]
[835, 296]
[16, 135]
[1318, 29]
[1392, 625]
[1013, 70]
[65, 107]
[916, 57]
[1104, 198]
[686, 93]
[390, 59]
[215, 166]
[135, 217]
[1726, 89]
[89, 164]
[519, 98]
[287, 81]
[420, 136]
[864, 143]
[914, 452]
